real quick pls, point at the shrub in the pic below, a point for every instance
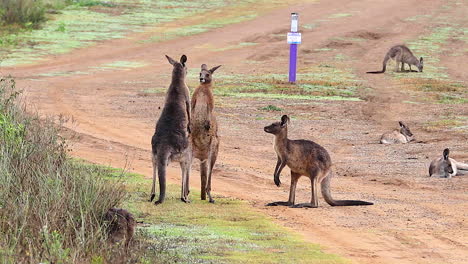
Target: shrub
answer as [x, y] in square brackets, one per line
[24, 12]
[51, 208]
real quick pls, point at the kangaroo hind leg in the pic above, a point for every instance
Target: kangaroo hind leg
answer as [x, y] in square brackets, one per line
[314, 173]
[292, 192]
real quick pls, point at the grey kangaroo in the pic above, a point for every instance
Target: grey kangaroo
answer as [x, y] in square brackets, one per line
[445, 167]
[403, 135]
[401, 54]
[205, 141]
[306, 158]
[171, 139]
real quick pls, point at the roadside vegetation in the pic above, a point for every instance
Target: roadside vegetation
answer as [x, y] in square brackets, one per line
[51, 208]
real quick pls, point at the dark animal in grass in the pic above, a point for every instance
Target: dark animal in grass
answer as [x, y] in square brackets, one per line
[204, 127]
[120, 226]
[304, 158]
[401, 54]
[171, 139]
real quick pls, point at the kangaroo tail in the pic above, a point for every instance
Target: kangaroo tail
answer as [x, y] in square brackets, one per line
[162, 162]
[384, 66]
[203, 175]
[462, 166]
[328, 198]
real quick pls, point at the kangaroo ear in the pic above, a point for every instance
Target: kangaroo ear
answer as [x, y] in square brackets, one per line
[171, 60]
[183, 60]
[401, 124]
[421, 60]
[204, 67]
[446, 153]
[284, 120]
[214, 68]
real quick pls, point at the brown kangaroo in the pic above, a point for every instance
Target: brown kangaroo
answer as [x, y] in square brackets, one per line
[403, 135]
[445, 167]
[401, 54]
[205, 141]
[120, 225]
[171, 139]
[303, 157]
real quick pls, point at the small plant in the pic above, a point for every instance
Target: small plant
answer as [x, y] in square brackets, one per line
[271, 108]
[61, 27]
[22, 12]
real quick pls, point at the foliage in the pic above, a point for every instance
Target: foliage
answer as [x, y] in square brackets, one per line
[51, 208]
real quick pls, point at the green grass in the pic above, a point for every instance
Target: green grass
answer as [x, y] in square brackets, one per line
[225, 232]
[79, 26]
[271, 108]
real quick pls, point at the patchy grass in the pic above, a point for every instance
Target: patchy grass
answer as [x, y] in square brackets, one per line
[340, 15]
[200, 232]
[316, 82]
[271, 108]
[79, 25]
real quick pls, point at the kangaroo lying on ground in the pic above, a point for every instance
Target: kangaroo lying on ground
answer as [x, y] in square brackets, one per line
[171, 140]
[205, 141]
[401, 54]
[306, 158]
[403, 135]
[120, 225]
[445, 167]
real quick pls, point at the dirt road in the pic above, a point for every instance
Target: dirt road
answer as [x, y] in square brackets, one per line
[415, 219]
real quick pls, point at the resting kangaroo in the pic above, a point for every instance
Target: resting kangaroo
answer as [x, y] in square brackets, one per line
[120, 225]
[445, 167]
[171, 140]
[205, 141]
[403, 135]
[401, 54]
[306, 158]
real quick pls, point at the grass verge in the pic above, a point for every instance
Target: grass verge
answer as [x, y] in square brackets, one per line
[200, 232]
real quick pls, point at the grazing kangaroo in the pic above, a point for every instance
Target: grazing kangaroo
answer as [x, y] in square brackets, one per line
[401, 54]
[303, 157]
[403, 135]
[171, 139]
[445, 167]
[205, 141]
[120, 225]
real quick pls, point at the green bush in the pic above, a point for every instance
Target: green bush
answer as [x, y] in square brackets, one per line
[24, 12]
[51, 208]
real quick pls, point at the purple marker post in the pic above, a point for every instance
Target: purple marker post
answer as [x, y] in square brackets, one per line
[294, 38]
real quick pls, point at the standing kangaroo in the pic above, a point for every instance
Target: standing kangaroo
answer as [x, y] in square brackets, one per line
[401, 54]
[445, 167]
[171, 140]
[403, 135]
[205, 141]
[303, 157]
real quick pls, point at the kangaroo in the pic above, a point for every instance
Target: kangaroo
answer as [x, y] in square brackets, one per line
[120, 225]
[303, 157]
[445, 167]
[403, 135]
[205, 141]
[171, 139]
[401, 54]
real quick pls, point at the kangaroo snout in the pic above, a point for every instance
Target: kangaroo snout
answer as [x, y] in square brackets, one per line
[202, 80]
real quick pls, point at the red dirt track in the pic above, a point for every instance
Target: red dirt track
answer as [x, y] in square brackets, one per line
[415, 219]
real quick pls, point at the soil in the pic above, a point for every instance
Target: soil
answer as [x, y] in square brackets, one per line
[415, 219]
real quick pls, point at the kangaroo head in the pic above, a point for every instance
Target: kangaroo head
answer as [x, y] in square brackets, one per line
[277, 127]
[205, 74]
[404, 129]
[421, 64]
[178, 66]
[446, 163]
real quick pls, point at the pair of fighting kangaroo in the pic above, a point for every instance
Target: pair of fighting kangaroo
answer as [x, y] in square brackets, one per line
[186, 129]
